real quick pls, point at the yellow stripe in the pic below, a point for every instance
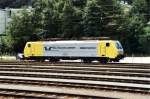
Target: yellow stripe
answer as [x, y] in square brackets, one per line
[38, 49]
[98, 52]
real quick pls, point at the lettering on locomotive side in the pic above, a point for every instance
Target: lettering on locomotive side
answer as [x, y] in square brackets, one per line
[87, 47]
[48, 48]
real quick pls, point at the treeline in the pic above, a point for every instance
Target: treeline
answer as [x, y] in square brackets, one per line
[13, 3]
[20, 3]
[73, 19]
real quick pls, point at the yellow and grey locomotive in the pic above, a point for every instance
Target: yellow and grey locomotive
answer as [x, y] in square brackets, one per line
[87, 50]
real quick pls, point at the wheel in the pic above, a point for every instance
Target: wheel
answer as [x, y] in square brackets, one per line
[87, 61]
[54, 60]
[116, 60]
[40, 60]
[104, 60]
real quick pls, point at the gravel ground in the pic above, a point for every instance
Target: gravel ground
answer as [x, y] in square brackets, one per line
[7, 58]
[125, 60]
[91, 92]
[135, 60]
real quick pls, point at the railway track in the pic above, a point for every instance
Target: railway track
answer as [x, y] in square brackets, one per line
[21, 91]
[108, 85]
[80, 70]
[110, 77]
[138, 80]
[72, 64]
[79, 65]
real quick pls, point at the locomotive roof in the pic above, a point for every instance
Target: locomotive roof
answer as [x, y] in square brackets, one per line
[75, 41]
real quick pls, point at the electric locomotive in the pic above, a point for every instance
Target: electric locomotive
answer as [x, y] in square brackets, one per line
[87, 50]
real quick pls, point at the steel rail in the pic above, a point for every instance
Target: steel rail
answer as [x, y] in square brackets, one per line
[136, 80]
[126, 87]
[87, 69]
[72, 63]
[81, 66]
[115, 73]
[35, 94]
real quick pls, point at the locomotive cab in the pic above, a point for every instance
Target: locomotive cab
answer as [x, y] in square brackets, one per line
[110, 50]
[33, 50]
[27, 50]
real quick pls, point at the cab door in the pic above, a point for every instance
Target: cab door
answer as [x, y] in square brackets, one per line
[32, 50]
[37, 49]
[102, 49]
[28, 50]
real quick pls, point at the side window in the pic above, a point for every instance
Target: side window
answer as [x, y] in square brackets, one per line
[118, 45]
[107, 44]
[29, 45]
[9, 13]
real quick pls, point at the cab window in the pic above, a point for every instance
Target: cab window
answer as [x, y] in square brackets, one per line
[118, 45]
[29, 45]
[107, 44]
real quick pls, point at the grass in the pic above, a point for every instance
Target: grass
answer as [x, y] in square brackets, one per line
[7, 58]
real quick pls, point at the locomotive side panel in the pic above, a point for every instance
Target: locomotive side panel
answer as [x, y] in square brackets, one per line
[71, 49]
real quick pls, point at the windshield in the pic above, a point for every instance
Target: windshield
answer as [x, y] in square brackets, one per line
[118, 45]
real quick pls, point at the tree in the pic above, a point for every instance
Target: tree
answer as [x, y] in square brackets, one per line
[39, 6]
[79, 3]
[50, 22]
[139, 8]
[93, 21]
[67, 17]
[78, 24]
[72, 19]
[13, 3]
[20, 31]
[57, 15]
[145, 39]
[112, 13]
[131, 30]
[5, 3]
[126, 1]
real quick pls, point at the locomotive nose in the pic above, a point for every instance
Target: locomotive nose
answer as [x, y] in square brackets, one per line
[121, 52]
